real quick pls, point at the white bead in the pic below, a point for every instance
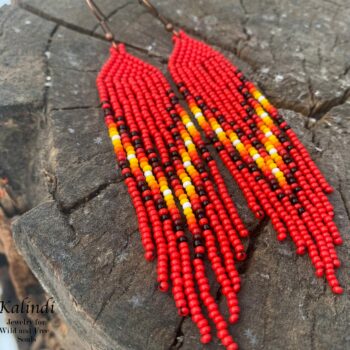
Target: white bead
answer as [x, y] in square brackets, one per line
[272, 151]
[218, 130]
[264, 115]
[275, 170]
[186, 184]
[148, 173]
[166, 192]
[268, 134]
[256, 156]
[131, 156]
[261, 98]
[198, 114]
[188, 142]
[187, 164]
[187, 205]
[236, 142]
[189, 124]
[115, 137]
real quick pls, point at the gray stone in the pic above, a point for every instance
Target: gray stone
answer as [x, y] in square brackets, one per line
[81, 239]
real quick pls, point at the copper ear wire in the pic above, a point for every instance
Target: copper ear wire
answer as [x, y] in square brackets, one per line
[102, 20]
[152, 9]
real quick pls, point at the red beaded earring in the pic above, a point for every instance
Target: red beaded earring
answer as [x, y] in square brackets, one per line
[261, 151]
[175, 186]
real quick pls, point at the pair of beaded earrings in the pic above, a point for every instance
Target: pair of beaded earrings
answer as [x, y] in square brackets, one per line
[175, 184]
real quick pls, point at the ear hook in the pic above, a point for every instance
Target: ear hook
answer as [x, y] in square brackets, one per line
[151, 8]
[102, 20]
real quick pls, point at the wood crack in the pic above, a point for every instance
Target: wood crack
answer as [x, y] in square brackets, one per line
[179, 336]
[111, 14]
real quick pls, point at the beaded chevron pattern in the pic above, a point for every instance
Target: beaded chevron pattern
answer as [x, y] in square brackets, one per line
[166, 166]
[261, 151]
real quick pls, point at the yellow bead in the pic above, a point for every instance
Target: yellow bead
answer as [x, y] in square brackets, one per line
[240, 147]
[187, 211]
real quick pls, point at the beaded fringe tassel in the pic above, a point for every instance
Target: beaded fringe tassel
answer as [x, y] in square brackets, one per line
[166, 164]
[260, 150]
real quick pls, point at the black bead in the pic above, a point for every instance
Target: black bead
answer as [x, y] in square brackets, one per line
[182, 239]
[294, 200]
[287, 159]
[274, 187]
[197, 242]
[201, 216]
[178, 228]
[107, 111]
[292, 180]
[281, 196]
[199, 256]
[297, 189]
[236, 158]
[301, 211]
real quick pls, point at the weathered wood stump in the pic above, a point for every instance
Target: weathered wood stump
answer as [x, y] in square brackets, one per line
[80, 237]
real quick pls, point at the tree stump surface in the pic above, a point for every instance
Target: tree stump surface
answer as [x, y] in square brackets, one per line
[80, 235]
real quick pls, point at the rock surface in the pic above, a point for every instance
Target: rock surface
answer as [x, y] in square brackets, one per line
[80, 237]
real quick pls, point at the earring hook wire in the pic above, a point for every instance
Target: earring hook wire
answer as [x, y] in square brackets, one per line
[153, 10]
[102, 20]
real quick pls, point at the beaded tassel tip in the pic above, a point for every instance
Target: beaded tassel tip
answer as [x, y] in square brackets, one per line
[261, 151]
[166, 166]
